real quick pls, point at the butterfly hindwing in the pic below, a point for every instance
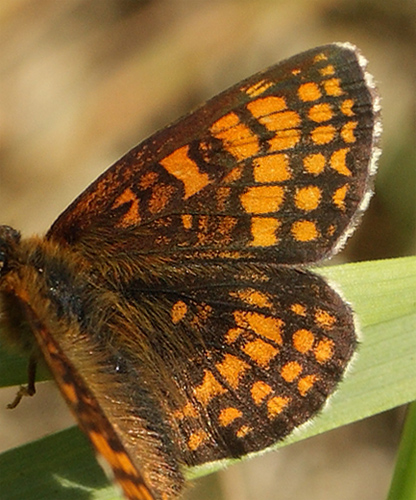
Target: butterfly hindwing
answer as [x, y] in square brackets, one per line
[253, 356]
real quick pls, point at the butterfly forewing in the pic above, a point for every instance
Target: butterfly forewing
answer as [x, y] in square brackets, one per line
[86, 401]
[277, 162]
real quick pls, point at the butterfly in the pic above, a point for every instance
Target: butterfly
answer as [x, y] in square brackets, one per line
[171, 301]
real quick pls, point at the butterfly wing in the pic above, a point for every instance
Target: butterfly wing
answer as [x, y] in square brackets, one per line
[211, 343]
[245, 354]
[73, 359]
[278, 166]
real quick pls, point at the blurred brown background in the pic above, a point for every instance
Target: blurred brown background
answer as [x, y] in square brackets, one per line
[84, 81]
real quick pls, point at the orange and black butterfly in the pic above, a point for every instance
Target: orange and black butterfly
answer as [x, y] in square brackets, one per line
[170, 300]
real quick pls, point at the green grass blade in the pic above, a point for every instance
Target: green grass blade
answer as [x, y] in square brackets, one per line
[383, 294]
[403, 486]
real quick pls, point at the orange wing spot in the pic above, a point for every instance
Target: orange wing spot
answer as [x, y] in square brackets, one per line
[332, 87]
[298, 309]
[260, 352]
[269, 112]
[338, 162]
[262, 199]
[243, 431]
[258, 88]
[314, 163]
[70, 392]
[187, 221]
[266, 326]
[160, 197]
[148, 179]
[225, 255]
[324, 350]
[237, 138]
[304, 230]
[309, 92]
[320, 57]
[263, 231]
[266, 106]
[278, 122]
[232, 369]
[222, 196]
[185, 170]
[196, 439]
[225, 228]
[271, 168]
[276, 405]
[116, 459]
[233, 175]
[178, 311]
[327, 71]
[188, 411]
[320, 112]
[203, 222]
[209, 388]
[203, 312]
[303, 340]
[254, 297]
[347, 132]
[285, 139]
[325, 319]
[228, 415]
[346, 107]
[259, 391]
[132, 216]
[305, 384]
[204, 231]
[323, 134]
[308, 198]
[331, 230]
[291, 371]
[339, 197]
[232, 335]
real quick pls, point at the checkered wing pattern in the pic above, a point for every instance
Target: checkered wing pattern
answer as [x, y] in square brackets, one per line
[276, 167]
[214, 343]
[263, 348]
